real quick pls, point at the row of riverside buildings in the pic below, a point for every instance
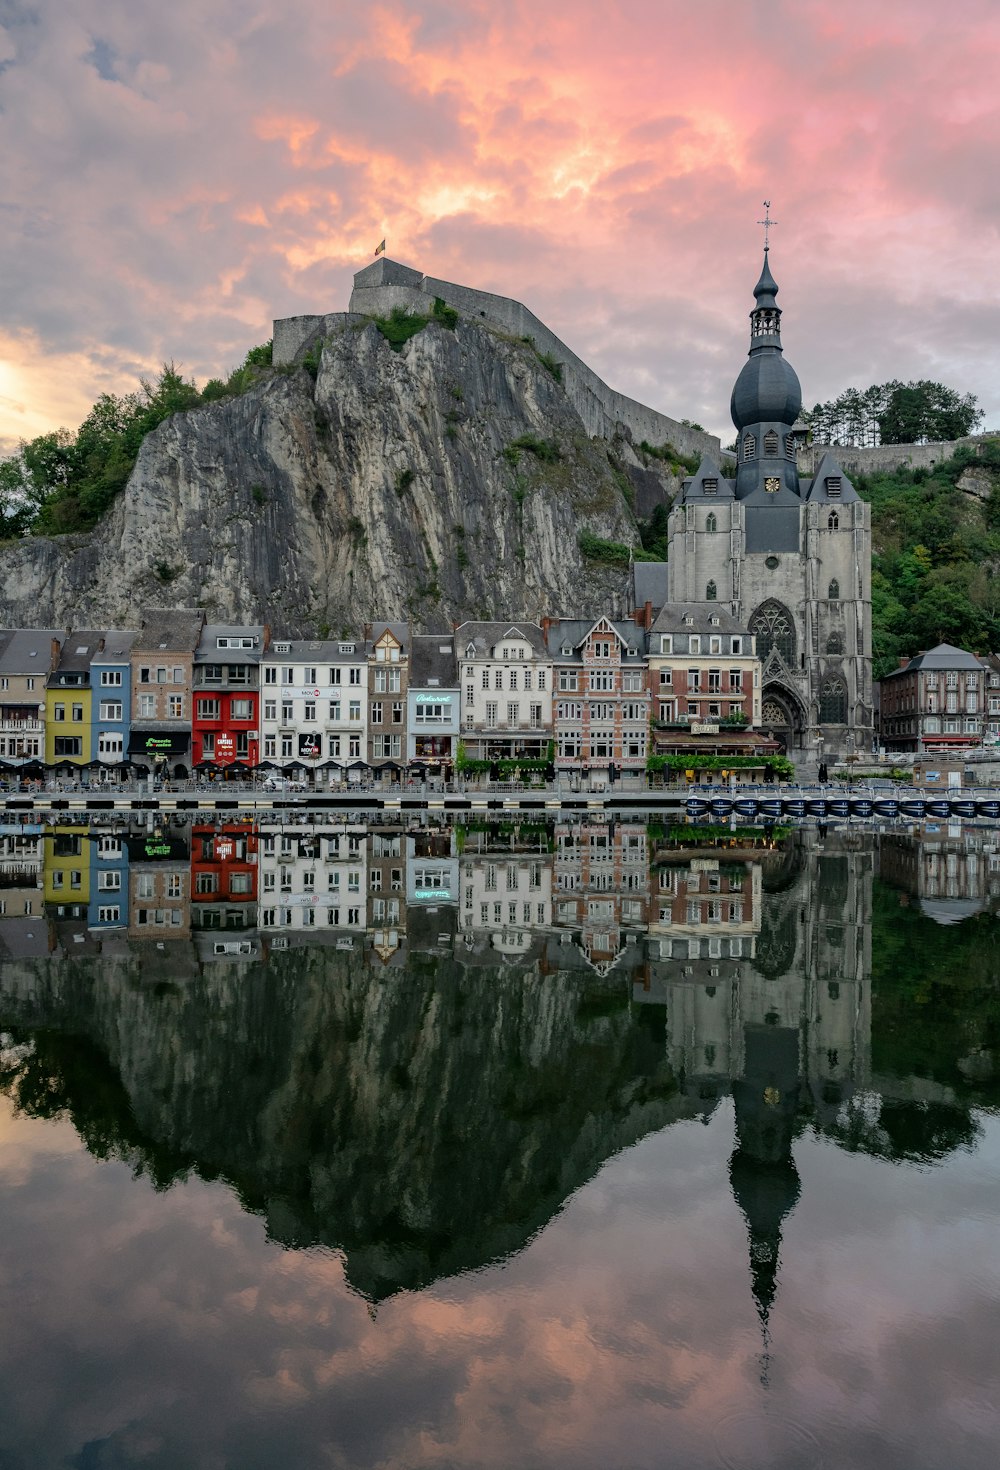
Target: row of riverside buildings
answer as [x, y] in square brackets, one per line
[182, 696]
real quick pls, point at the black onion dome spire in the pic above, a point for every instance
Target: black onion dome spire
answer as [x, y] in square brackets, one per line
[767, 391]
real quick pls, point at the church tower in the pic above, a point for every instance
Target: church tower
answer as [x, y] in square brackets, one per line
[790, 557]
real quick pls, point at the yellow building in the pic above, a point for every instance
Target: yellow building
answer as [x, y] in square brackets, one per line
[66, 865]
[68, 702]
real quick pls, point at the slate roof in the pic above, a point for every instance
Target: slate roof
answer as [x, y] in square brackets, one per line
[318, 650]
[944, 656]
[830, 469]
[572, 633]
[29, 650]
[432, 662]
[78, 650]
[673, 619]
[694, 488]
[649, 584]
[117, 646]
[169, 630]
[486, 635]
[208, 651]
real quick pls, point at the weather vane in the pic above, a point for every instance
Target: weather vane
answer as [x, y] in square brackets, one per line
[767, 221]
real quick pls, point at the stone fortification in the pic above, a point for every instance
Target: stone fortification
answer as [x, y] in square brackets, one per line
[386, 284]
[884, 458]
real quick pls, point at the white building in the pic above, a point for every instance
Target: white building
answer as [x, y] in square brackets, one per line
[313, 877]
[506, 678]
[314, 705]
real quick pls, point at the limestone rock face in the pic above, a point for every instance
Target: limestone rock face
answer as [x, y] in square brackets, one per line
[390, 486]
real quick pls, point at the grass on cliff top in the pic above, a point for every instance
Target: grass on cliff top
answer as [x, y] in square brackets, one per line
[400, 325]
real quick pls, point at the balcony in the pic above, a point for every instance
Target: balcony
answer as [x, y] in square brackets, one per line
[22, 727]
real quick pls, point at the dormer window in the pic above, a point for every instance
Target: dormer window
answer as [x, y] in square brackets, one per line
[714, 622]
[749, 446]
[566, 651]
[710, 487]
[667, 643]
[770, 442]
[346, 647]
[833, 487]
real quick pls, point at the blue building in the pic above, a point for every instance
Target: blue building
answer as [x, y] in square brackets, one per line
[111, 703]
[108, 903]
[433, 705]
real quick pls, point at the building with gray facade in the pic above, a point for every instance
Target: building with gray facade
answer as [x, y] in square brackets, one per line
[789, 557]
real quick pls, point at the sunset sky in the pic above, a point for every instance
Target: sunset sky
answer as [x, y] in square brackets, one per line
[173, 177]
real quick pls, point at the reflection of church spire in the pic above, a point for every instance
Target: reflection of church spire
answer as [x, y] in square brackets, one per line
[762, 1173]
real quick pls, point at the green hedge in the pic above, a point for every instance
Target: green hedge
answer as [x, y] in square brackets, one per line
[657, 765]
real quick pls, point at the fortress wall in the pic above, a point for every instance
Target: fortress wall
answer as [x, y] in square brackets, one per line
[292, 333]
[386, 284]
[882, 457]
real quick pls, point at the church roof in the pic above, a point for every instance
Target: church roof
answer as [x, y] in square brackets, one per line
[708, 475]
[829, 471]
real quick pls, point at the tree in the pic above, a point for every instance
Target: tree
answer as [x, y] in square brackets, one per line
[894, 413]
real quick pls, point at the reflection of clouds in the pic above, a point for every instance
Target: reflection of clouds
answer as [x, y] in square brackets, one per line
[163, 1329]
[143, 153]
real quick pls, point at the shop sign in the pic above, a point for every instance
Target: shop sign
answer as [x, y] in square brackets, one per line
[225, 847]
[225, 748]
[310, 746]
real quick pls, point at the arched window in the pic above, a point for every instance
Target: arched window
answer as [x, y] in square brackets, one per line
[835, 643]
[710, 592]
[833, 703]
[773, 627]
[749, 446]
[833, 591]
[833, 521]
[770, 442]
[711, 524]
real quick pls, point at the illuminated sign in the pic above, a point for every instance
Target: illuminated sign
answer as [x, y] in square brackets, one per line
[434, 698]
[432, 893]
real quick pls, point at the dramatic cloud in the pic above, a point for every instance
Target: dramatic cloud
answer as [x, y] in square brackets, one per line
[173, 179]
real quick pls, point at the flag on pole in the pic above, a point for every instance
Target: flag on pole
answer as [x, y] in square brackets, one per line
[380, 248]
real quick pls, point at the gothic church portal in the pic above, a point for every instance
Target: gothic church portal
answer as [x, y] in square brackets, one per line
[790, 557]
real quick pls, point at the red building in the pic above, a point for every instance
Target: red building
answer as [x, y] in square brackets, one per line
[226, 714]
[223, 875]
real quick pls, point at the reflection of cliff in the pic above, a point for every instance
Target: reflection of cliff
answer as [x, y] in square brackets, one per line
[424, 1120]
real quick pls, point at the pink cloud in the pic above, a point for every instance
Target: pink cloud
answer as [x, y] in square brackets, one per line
[171, 181]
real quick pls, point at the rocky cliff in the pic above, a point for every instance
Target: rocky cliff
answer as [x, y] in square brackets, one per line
[447, 479]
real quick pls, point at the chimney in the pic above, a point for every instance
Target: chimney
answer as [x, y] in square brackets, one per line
[267, 638]
[903, 660]
[647, 610]
[546, 625]
[54, 653]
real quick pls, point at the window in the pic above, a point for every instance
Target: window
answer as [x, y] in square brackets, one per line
[470, 695]
[542, 680]
[498, 678]
[111, 677]
[491, 713]
[397, 711]
[270, 709]
[833, 702]
[78, 713]
[287, 711]
[567, 681]
[110, 711]
[736, 678]
[513, 678]
[835, 643]
[833, 521]
[355, 676]
[175, 707]
[270, 674]
[208, 709]
[68, 745]
[710, 592]
[833, 591]
[513, 714]
[774, 629]
[59, 712]
[111, 914]
[376, 712]
[770, 442]
[694, 643]
[109, 743]
[334, 709]
[354, 710]
[308, 713]
[711, 524]
[308, 674]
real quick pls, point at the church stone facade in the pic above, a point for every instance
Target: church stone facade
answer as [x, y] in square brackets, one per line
[789, 557]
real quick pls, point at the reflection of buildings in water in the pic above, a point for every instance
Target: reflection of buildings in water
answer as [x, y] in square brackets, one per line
[600, 884]
[780, 1016]
[952, 872]
[224, 875]
[21, 881]
[505, 882]
[313, 877]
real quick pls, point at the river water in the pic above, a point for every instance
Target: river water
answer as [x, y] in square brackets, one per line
[572, 1144]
